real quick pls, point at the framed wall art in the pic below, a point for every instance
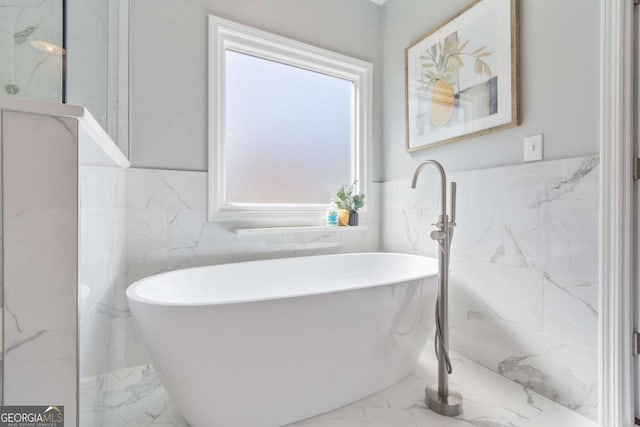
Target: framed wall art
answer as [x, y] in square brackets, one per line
[462, 79]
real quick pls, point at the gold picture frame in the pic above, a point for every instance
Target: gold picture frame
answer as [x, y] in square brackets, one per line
[463, 79]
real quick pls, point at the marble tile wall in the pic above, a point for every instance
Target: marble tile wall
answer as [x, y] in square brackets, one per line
[102, 214]
[101, 273]
[40, 224]
[524, 287]
[24, 70]
[64, 223]
[167, 229]
[524, 269]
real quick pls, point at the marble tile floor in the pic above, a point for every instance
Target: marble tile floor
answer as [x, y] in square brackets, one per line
[490, 400]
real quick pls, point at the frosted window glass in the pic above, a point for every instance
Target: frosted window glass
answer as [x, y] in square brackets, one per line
[287, 132]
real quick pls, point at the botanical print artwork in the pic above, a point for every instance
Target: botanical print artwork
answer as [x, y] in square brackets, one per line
[461, 78]
[440, 83]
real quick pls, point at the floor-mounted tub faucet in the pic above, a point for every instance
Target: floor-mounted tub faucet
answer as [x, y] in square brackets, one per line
[442, 400]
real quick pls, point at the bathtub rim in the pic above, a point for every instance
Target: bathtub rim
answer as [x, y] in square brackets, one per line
[132, 295]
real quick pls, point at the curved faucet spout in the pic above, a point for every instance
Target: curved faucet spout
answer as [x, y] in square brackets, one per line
[443, 183]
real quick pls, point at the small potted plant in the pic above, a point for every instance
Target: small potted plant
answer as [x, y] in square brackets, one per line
[350, 201]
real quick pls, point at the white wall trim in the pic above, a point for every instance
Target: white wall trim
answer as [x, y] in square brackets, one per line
[616, 208]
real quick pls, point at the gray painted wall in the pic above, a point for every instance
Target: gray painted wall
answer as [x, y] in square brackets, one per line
[169, 65]
[559, 74]
[559, 89]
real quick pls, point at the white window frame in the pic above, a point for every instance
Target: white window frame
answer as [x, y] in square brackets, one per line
[227, 35]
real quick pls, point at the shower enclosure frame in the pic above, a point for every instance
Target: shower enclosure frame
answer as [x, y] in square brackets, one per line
[64, 50]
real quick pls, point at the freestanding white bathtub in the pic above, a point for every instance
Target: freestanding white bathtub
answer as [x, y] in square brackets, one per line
[266, 343]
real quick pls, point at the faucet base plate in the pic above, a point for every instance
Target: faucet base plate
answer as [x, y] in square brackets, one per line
[448, 406]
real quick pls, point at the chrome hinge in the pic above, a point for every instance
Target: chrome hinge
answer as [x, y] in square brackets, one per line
[636, 167]
[636, 344]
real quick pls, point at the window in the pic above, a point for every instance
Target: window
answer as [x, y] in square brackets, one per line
[288, 124]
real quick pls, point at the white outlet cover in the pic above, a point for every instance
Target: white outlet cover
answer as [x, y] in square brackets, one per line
[533, 148]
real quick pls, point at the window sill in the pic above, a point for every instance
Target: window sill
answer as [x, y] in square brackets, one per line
[299, 229]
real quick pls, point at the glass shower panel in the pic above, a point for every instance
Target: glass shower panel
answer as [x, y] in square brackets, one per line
[31, 49]
[73, 51]
[97, 72]
[87, 40]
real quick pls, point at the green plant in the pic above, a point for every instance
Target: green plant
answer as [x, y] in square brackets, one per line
[442, 60]
[347, 198]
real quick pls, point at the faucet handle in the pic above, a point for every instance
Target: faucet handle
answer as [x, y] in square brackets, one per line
[438, 235]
